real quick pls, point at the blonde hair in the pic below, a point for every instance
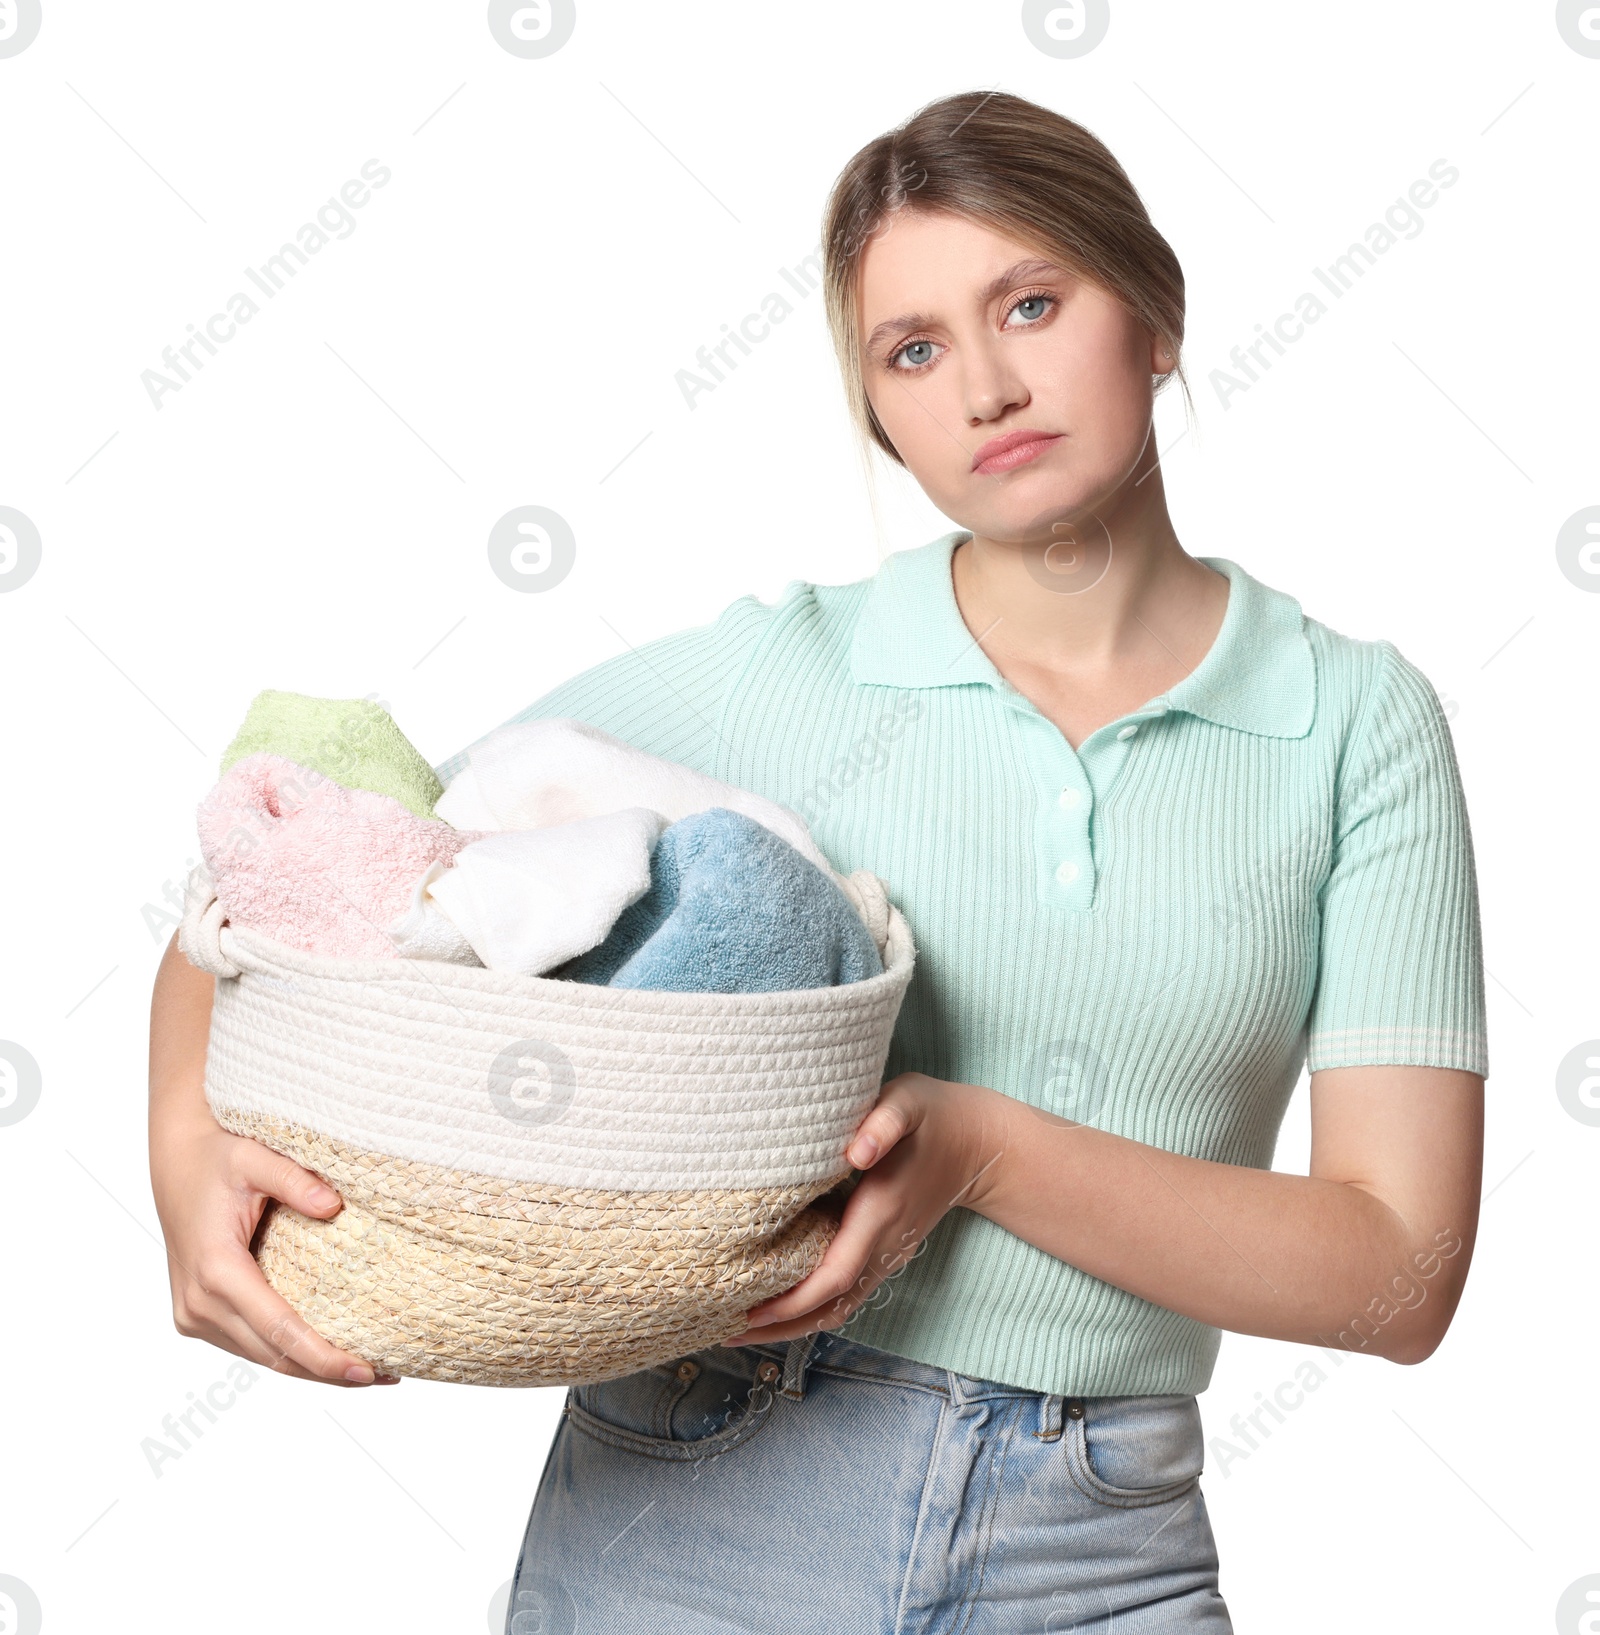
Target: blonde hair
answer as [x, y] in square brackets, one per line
[1023, 170]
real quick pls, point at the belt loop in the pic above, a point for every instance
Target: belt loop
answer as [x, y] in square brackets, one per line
[1051, 1410]
[796, 1363]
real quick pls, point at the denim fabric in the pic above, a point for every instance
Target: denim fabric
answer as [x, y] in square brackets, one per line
[823, 1487]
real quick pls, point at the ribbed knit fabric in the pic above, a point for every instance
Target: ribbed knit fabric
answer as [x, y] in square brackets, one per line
[1267, 867]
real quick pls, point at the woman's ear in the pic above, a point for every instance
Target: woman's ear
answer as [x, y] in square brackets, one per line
[1162, 361]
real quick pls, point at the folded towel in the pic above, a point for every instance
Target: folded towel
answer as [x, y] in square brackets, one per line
[309, 863]
[731, 909]
[351, 740]
[422, 932]
[529, 899]
[536, 773]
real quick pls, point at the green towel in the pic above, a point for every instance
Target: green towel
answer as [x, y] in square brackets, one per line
[354, 741]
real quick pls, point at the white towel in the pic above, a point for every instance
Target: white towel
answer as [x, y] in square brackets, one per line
[536, 773]
[529, 899]
[422, 932]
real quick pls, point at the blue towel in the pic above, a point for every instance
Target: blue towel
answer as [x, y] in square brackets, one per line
[731, 908]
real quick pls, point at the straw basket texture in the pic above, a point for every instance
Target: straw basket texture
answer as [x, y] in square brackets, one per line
[544, 1182]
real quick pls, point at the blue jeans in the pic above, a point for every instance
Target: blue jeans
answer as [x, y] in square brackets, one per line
[821, 1487]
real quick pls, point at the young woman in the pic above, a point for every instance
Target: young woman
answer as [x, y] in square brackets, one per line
[1162, 839]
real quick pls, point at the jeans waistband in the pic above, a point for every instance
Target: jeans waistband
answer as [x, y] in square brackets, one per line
[797, 1356]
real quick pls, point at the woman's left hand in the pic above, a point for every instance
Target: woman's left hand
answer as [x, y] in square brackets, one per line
[927, 1146]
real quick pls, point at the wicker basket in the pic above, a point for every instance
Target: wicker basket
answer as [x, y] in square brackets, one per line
[544, 1182]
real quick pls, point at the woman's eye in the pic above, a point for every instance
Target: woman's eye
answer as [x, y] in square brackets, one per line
[917, 353]
[1032, 307]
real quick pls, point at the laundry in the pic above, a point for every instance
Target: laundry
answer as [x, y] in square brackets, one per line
[310, 863]
[422, 932]
[532, 774]
[731, 908]
[559, 851]
[354, 741]
[528, 899]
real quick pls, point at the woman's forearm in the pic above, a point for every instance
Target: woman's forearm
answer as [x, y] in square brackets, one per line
[1288, 1257]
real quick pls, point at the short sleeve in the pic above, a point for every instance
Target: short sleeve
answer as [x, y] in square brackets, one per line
[665, 697]
[1400, 969]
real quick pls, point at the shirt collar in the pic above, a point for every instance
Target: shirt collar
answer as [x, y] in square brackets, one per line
[1259, 675]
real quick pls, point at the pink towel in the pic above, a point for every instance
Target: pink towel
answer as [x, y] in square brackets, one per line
[314, 865]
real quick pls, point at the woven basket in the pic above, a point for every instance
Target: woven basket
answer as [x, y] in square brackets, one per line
[544, 1182]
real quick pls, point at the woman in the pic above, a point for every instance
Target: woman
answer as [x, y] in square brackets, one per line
[1162, 840]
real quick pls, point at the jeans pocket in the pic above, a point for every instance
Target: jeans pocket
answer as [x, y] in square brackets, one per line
[1133, 1451]
[686, 1409]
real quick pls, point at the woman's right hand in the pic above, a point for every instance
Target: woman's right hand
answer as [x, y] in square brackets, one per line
[210, 1190]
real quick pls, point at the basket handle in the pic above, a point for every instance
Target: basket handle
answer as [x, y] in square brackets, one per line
[200, 930]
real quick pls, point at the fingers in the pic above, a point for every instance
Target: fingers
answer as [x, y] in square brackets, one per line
[897, 1112]
[263, 1170]
[211, 1192]
[864, 1251]
[289, 1336]
[237, 1309]
[225, 1298]
[835, 1275]
[291, 1339]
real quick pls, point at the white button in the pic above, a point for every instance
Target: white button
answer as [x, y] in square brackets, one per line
[1066, 873]
[1127, 732]
[1070, 797]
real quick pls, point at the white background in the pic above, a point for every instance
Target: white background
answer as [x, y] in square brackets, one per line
[503, 327]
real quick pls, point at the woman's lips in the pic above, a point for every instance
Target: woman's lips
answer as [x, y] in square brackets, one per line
[1012, 452]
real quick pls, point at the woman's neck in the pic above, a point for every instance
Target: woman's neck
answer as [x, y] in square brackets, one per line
[1095, 619]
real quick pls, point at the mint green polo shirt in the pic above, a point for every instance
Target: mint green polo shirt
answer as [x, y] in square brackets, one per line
[1266, 868]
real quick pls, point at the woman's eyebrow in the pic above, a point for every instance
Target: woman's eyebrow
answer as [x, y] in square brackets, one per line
[1020, 272]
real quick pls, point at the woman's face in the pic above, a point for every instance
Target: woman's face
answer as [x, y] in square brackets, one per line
[969, 335]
